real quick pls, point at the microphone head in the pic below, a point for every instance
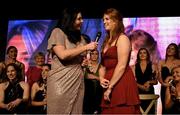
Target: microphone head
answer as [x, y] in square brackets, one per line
[98, 36]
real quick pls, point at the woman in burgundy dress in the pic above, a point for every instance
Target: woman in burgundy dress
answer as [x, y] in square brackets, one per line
[116, 77]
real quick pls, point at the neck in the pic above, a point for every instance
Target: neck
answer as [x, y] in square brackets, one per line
[11, 60]
[143, 62]
[170, 58]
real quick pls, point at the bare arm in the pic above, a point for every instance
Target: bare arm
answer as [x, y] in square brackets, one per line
[2, 105]
[64, 53]
[159, 73]
[168, 101]
[155, 71]
[123, 56]
[104, 82]
[33, 93]
[25, 87]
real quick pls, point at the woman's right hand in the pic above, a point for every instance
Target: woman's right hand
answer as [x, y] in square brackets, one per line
[91, 46]
[104, 82]
[85, 62]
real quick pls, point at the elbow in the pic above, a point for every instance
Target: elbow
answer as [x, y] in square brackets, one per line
[121, 67]
[64, 57]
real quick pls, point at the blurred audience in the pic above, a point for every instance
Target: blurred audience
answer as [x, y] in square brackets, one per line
[38, 92]
[11, 56]
[146, 74]
[34, 72]
[165, 66]
[93, 90]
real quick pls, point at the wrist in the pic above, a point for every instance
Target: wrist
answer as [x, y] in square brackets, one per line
[110, 87]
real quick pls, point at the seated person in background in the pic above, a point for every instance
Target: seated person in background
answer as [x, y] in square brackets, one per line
[165, 67]
[34, 72]
[14, 93]
[93, 90]
[38, 92]
[172, 97]
[11, 56]
[146, 76]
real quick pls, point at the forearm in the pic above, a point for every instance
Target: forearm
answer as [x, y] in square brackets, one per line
[38, 103]
[3, 106]
[153, 82]
[66, 54]
[118, 72]
[102, 72]
[140, 86]
[168, 101]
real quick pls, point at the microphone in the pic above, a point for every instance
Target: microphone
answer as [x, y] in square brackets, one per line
[98, 36]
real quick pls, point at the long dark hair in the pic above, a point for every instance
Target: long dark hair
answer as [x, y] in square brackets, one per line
[67, 24]
[176, 56]
[148, 55]
[41, 80]
[11, 47]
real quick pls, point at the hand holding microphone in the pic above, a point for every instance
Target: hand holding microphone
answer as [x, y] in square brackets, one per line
[93, 45]
[98, 36]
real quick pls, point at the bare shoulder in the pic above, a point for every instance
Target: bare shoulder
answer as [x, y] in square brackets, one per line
[2, 65]
[3, 85]
[35, 84]
[24, 84]
[123, 36]
[124, 42]
[177, 61]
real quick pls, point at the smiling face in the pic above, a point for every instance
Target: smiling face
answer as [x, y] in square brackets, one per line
[12, 53]
[39, 60]
[94, 55]
[171, 50]
[176, 74]
[11, 72]
[22, 55]
[143, 54]
[109, 24]
[78, 21]
[45, 70]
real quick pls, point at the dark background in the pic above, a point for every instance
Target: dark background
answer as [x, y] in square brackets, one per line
[49, 9]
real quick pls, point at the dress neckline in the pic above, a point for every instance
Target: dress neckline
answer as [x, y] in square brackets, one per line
[109, 49]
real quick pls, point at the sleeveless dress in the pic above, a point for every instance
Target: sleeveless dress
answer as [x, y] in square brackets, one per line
[141, 78]
[65, 83]
[12, 92]
[124, 96]
[39, 109]
[165, 72]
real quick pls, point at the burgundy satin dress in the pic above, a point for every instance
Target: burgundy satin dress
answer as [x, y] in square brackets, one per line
[124, 96]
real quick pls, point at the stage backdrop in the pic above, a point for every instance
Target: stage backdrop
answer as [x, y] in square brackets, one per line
[30, 36]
